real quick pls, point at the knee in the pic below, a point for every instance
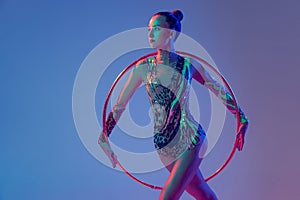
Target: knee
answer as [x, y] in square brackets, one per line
[212, 196]
[201, 192]
[207, 197]
[165, 195]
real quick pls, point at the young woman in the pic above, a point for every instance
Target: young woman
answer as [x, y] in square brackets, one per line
[179, 140]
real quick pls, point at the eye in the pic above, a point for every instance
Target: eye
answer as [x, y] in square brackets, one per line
[155, 28]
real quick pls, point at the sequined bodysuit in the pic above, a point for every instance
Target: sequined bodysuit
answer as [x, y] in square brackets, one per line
[168, 78]
[168, 86]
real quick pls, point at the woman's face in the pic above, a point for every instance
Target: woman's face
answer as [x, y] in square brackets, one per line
[159, 35]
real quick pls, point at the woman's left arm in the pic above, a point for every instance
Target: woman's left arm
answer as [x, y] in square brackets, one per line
[202, 76]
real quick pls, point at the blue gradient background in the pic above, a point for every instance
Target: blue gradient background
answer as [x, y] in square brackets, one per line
[42, 45]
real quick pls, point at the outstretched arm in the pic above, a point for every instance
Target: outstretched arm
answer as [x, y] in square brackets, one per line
[202, 76]
[134, 81]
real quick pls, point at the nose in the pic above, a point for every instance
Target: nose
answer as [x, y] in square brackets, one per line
[150, 33]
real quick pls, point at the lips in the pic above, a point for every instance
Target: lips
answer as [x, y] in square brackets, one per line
[151, 41]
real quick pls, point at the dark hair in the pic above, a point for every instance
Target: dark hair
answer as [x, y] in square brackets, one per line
[173, 19]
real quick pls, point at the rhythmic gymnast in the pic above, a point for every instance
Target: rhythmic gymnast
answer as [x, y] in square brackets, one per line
[180, 141]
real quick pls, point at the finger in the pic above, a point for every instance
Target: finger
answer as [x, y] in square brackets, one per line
[108, 154]
[241, 145]
[238, 144]
[113, 160]
[114, 156]
[113, 163]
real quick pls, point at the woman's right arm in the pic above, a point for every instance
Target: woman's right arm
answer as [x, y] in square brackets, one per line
[133, 82]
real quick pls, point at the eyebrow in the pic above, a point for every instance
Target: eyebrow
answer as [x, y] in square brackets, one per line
[154, 26]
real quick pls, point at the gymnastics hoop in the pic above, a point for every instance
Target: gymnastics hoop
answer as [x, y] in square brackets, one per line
[218, 74]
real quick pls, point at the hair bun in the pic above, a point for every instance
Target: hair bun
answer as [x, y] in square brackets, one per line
[178, 14]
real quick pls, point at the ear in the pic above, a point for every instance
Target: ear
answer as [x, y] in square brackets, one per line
[172, 34]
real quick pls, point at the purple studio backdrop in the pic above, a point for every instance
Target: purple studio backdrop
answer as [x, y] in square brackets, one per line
[255, 45]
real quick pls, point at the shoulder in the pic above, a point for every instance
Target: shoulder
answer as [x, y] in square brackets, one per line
[197, 70]
[142, 62]
[189, 61]
[140, 69]
[142, 65]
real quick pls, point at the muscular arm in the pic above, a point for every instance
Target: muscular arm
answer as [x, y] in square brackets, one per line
[203, 77]
[134, 81]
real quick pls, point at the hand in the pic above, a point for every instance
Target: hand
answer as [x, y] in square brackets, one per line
[241, 135]
[104, 144]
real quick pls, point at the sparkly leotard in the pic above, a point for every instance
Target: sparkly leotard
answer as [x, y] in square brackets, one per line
[168, 79]
[168, 88]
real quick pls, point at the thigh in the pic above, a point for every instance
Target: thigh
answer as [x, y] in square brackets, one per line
[171, 153]
[182, 172]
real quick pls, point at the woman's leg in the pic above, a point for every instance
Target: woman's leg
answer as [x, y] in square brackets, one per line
[182, 173]
[199, 189]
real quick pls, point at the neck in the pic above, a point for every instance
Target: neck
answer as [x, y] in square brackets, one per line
[169, 47]
[166, 55]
